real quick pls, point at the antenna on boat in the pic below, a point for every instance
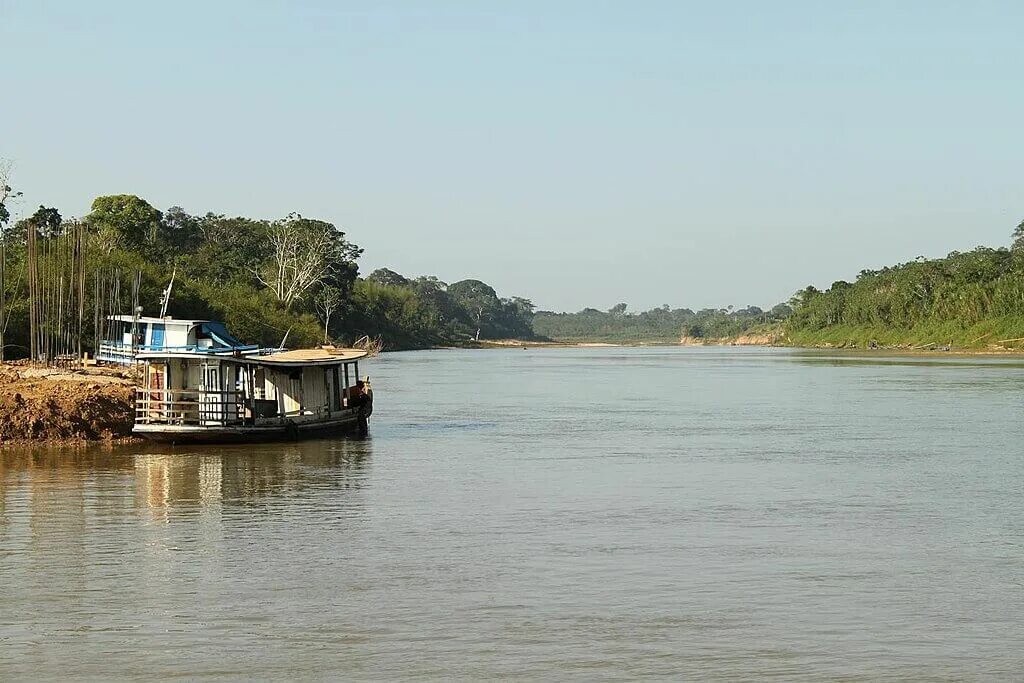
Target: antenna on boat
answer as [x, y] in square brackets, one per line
[283, 340]
[166, 297]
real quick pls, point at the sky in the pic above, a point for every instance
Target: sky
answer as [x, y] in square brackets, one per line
[695, 154]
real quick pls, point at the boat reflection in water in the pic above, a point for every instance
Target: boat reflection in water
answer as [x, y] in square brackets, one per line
[58, 483]
[239, 476]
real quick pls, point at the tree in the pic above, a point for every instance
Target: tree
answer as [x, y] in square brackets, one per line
[6, 194]
[305, 253]
[1018, 237]
[123, 220]
[328, 301]
[618, 309]
[47, 222]
[385, 276]
[478, 299]
[178, 230]
[227, 248]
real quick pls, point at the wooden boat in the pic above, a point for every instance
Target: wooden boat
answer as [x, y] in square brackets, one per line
[197, 395]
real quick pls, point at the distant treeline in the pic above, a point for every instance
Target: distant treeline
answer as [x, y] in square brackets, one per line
[662, 324]
[265, 279]
[973, 298]
[967, 299]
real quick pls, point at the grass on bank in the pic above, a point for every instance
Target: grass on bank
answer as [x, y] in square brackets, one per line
[997, 333]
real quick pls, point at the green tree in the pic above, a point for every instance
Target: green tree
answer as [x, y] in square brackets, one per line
[124, 220]
[385, 276]
[618, 309]
[1018, 237]
[178, 233]
[47, 222]
[228, 249]
[478, 299]
[7, 192]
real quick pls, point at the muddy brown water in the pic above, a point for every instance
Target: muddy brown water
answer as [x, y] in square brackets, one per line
[545, 514]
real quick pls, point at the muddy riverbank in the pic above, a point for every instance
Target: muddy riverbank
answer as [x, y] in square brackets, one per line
[52, 405]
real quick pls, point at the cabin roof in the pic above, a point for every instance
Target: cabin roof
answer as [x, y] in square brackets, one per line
[311, 356]
[200, 353]
[151, 320]
[295, 357]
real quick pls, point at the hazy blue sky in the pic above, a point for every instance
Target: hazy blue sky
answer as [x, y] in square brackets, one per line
[577, 153]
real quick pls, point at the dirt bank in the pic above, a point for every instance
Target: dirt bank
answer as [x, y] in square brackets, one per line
[751, 339]
[60, 406]
[532, 344]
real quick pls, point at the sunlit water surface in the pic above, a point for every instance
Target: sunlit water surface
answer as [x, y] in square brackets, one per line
[549, 514]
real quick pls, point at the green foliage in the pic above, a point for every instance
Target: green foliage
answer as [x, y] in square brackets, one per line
[425, 311]
[7, 193]
[395, 313]
[265, 279]
[385, 276]
[659, 325]
[46, 222]
[124, 220]
[256, 317]
[226, 249]
[972, 298]
[489, 316]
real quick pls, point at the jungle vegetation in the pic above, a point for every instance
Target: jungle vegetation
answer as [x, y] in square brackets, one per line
[294, 276]
[967, 299]
[658, 325]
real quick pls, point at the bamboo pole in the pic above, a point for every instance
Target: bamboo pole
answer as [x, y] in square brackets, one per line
[32, 299]
[81, 285]
[3, 289]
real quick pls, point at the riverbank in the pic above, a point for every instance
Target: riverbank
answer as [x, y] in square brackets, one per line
[997, 335]
[52, 405]
[532, 344]
[838, 339]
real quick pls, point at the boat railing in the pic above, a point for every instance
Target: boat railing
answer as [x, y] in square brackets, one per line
[118, 352]
[197, 407]
[114, 352]
[188, 407]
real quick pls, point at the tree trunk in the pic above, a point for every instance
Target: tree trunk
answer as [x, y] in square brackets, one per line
[3, 291]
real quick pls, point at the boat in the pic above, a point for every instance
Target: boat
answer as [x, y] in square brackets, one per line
[200, 385]
[126, 336]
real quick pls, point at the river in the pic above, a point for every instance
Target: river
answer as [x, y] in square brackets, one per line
[587, 514]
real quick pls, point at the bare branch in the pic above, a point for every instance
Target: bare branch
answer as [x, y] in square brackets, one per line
[301, 258]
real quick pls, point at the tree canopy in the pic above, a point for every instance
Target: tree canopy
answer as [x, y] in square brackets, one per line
[265, 278]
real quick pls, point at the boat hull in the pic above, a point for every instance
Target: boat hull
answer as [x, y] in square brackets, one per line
[189, 434]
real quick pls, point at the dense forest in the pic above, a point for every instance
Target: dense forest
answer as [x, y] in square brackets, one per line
[265, 279]
[967, 299]
[658, 325]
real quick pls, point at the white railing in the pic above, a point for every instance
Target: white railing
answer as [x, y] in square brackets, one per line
[112, 352]
[185, 407]
[211, 409]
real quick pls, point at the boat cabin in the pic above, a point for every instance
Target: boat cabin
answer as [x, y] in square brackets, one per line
[126, 336]
[247, 394]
